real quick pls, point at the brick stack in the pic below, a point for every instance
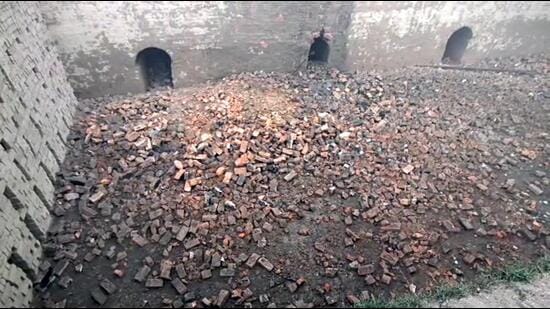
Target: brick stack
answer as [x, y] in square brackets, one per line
[36, 108]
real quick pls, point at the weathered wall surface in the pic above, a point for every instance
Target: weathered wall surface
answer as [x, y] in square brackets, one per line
[391, 34]
[36, 106]
[99, 41]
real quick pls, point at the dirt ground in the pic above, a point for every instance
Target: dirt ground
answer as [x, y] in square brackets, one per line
[319, 188]
[519, 295]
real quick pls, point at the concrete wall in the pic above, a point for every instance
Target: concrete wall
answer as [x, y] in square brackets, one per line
[386, 34]
[36, 106]
[99, 41]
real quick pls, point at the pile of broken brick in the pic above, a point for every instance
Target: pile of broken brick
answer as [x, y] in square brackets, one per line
[209, 180]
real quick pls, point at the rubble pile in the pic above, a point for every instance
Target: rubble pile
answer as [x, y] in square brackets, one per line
[309, 189]
[538, 63]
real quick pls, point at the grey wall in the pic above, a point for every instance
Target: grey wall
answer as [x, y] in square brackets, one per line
[36, 107]
[98, 41]
[206, 40]
[386, 34]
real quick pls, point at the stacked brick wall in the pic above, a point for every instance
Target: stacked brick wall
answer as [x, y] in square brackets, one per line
[36, 107]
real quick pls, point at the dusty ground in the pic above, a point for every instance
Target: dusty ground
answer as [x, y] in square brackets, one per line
[519, 295]
[347, 186]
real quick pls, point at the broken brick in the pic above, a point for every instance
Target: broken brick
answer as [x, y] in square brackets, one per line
[108, 286]
[407, 169]
[222, 298]
[469, 259]
[165, 269]
[290, 175]
[99, 297]
[252, 259]
[191, 243]
[365, 270]
[180, 270]
[370, 280]
[292, 286]
[466, 223]
[205, 274]
[142, 273]
[352, 299]
[179, 286]
[265, 263]
[390, 258]
[96, 197]
[139, 240]
[154, 283]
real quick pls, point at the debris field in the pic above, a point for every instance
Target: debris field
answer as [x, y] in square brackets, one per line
[318, 188]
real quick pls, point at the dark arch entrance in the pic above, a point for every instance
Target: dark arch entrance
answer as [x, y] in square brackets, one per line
[156, 68]
[319, 50]
[456, 46]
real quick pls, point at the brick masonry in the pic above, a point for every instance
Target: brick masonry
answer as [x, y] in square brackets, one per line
[398, 33]
[98, 40]
[36, 108]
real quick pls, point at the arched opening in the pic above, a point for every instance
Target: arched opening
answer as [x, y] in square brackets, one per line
[319, 50]
[456, 46]
[156, 68]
